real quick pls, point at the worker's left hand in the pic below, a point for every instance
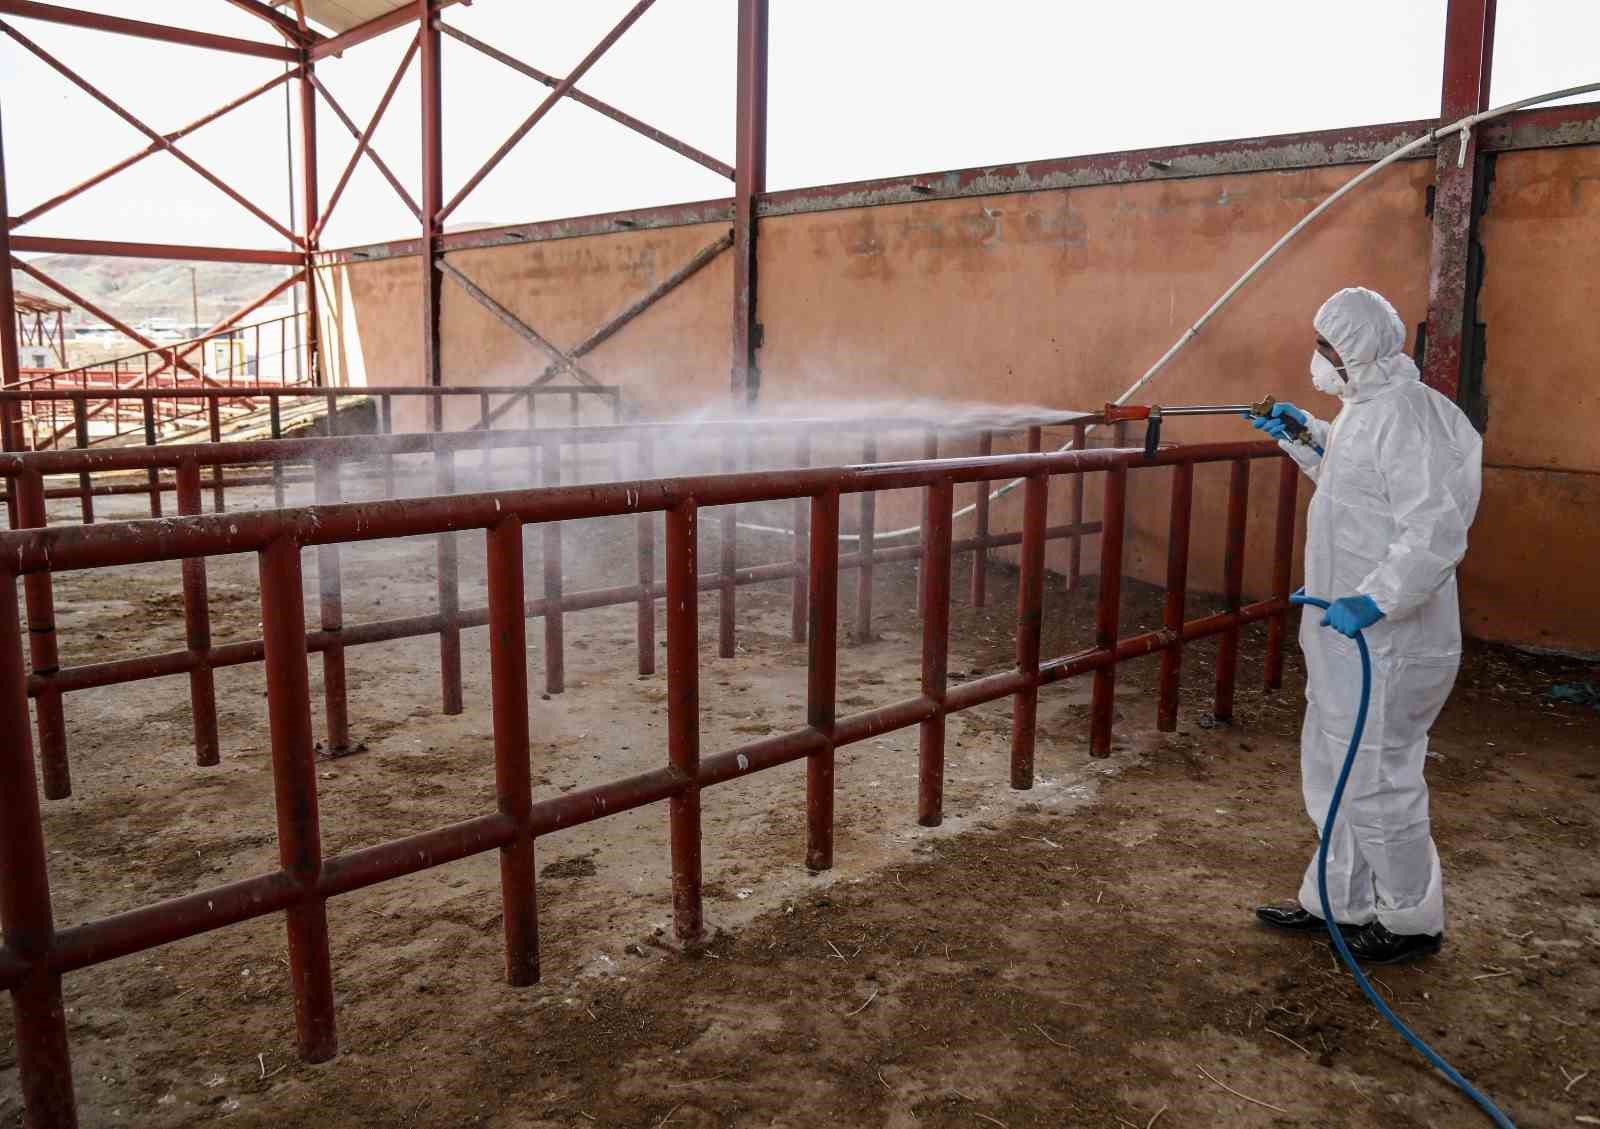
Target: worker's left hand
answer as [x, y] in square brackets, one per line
[1350, 614]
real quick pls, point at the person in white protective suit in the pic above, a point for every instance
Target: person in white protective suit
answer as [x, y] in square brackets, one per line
[1396, 490]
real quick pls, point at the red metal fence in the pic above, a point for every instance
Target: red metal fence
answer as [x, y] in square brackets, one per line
[36, 954]
[336, 462]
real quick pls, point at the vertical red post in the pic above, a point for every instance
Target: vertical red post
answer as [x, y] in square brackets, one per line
[336, 704]
[555, 659]
[799, 587]
[10, 363]
[727, 619]
[683, 716]
[1232, 587]
[38, 588]
[508, 677]
[1080, 441]
[980, 553]
[310, 212]
[1108, 613]
[1468, 54]
[1282, 569]
[153, 474]
[214, 415]
[822, 675]
[449, 589]
[294, 778]
[1030, 628]
[432, 200]
[44, 1065]
[868, 551]
[646, 525]
[80, 430]
[197, 628]
[936, 524]
[750, 181]
[1173, 606]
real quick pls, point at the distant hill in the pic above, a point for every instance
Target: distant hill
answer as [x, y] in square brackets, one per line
[135, 289]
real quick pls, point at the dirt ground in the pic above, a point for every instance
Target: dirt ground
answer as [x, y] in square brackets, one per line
[1080, 954]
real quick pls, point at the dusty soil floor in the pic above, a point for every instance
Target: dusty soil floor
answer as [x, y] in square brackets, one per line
[1080, 954]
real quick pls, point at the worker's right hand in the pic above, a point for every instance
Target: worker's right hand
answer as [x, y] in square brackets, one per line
[1273, 423]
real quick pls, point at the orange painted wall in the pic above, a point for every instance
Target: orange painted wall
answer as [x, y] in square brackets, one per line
[1060, 299]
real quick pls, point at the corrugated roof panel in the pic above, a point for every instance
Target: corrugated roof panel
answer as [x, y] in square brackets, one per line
[342, 15]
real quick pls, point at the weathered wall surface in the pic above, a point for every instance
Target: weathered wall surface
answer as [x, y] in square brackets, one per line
[1530, 576]
[1060, 299]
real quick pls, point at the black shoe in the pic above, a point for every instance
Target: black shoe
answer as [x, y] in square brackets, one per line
[1291, 917]
[1373, 944]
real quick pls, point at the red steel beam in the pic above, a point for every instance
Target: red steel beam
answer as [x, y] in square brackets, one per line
[432, 197]
[660, 137]
[561, 90]
[1468, 50]
[114, 248]
[157, 139]
[310, 212]
[96, 21]
[10, 366]
[365, 139]
[400, 17]
[750, 181]
[132, 159]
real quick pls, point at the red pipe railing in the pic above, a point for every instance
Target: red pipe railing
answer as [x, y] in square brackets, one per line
[36, 955]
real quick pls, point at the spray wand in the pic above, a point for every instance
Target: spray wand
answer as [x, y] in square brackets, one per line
[1152, 415]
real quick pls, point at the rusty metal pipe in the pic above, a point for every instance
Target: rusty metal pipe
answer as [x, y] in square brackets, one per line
[44, 1064]
[1232, 588]
[1102, 707]
[936, 525]
[197, 631]
[1030, 626]
[822, 676]
[1172, 606]
[39, 593]
[683, 716]
[294, 779]
[508, 678]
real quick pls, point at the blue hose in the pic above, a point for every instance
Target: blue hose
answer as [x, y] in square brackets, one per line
[1384, 1010]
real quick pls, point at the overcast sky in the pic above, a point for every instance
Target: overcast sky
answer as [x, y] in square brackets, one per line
[858, 89]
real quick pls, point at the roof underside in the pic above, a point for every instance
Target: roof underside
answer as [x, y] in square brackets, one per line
[342, 15]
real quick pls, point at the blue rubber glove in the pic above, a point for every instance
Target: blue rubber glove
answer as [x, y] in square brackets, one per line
[1349, 614]
[1273, 423]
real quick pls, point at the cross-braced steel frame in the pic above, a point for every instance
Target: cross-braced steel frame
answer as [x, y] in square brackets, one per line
[1450, 332]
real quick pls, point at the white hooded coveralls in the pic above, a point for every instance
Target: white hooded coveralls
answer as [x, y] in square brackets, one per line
[1396, 493]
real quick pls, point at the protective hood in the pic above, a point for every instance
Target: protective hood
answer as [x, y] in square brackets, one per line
[1371, 339]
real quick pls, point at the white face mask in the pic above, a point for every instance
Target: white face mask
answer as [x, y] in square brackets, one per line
[1326, 377]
